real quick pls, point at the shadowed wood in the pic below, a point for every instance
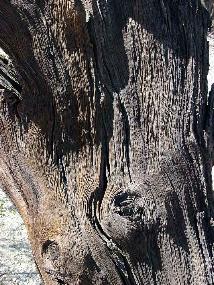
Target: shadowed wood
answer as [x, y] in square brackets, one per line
[106, 141]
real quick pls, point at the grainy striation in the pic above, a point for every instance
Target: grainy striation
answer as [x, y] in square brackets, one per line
[106, 141]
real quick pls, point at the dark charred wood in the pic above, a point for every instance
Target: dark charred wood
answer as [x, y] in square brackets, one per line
[106, 138]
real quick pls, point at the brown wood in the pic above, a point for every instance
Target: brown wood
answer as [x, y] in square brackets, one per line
[106, 138]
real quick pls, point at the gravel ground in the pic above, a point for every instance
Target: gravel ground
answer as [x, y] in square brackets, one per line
[16, 261]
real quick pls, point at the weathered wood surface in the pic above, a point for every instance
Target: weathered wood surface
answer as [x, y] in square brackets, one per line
[106, 147]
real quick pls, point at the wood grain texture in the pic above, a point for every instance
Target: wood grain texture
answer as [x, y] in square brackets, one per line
[106, 141]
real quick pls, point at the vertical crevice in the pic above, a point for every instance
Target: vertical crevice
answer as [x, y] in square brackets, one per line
[126, 132]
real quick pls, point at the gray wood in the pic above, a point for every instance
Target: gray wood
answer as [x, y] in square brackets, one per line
[106, 139]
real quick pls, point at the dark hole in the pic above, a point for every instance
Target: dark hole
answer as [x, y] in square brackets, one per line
[49, 246]
[120, 199]
[60, 282]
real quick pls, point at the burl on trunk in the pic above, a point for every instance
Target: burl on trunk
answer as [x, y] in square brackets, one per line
[106, 138]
